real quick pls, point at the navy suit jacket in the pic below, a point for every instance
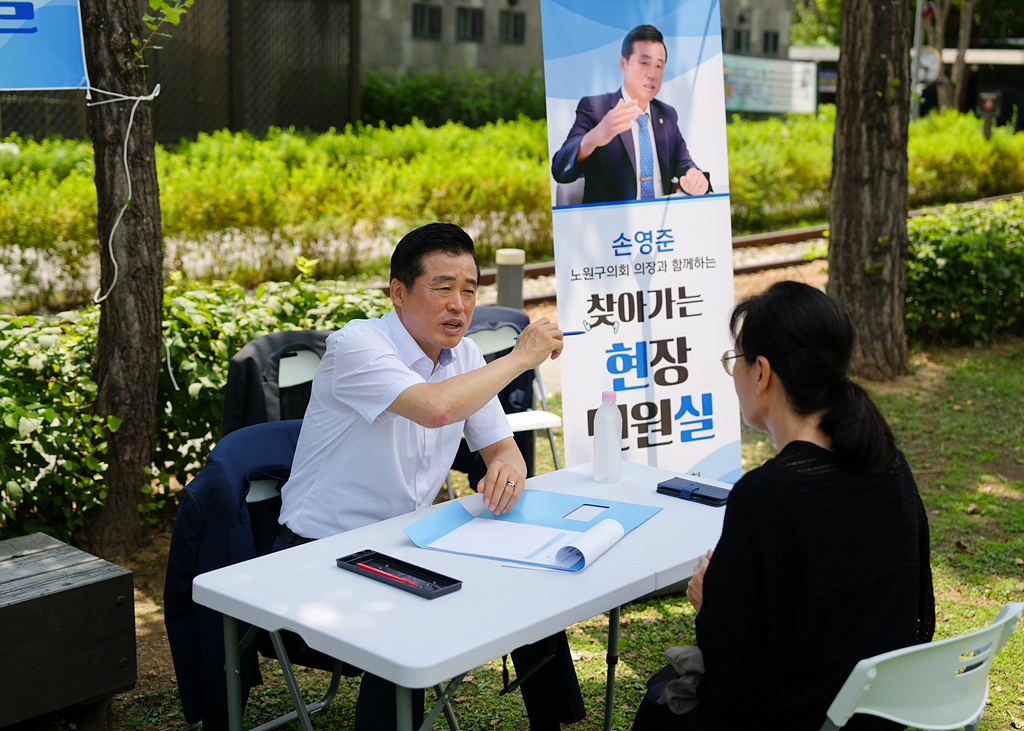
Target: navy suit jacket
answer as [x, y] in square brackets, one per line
[215, 527]
[610, 171]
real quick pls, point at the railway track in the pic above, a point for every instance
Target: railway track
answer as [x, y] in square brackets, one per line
[774, 238]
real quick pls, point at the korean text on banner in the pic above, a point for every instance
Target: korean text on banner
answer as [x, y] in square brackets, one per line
[643, 248]
[41, 45]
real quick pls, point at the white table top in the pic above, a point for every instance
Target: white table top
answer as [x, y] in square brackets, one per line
[416, 642]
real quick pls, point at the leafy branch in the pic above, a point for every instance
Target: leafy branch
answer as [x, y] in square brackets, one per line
[165, 12]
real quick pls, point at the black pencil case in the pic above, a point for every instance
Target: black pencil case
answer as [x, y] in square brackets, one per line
[400, 574]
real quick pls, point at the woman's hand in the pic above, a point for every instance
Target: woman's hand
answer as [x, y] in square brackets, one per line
[695, 589]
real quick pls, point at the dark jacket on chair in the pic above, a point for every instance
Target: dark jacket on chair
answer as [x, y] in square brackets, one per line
[215, 528]
[252, 395]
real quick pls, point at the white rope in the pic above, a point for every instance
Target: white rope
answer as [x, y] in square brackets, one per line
[167, 348]
[96, 298]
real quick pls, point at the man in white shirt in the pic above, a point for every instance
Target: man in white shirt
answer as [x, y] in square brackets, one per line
[390, 402]
[627, 144]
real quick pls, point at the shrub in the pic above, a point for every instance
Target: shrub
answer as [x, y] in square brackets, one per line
[246, 206]
[51, 444]
[965, 272]
[472, 97]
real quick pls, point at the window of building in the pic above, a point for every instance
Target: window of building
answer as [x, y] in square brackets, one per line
[513, 26]
[771, 43]
[741, 40]
[469, 24]
[426, 21]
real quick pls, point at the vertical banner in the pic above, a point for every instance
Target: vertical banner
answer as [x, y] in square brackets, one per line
[41, 45]
[643, 245]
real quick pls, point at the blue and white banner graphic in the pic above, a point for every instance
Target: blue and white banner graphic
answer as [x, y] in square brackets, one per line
[643, 245]
[41, 45]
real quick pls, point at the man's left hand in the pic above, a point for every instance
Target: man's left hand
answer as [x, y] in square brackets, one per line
[501, 486]
[693, 182]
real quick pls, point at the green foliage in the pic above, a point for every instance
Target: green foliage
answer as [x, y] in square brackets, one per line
[965, 272]
[52, 445]
[331, 197]
[815, 23]
[164, 12]
[472, 97]
[780, 168]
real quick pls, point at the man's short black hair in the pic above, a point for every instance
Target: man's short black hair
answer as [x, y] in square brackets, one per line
[642, 33]
[407, 261]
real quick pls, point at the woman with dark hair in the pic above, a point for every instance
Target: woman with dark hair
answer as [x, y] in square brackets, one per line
[824, 553]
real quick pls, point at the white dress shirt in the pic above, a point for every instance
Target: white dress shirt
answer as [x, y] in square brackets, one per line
[634, 127]
[357, 463]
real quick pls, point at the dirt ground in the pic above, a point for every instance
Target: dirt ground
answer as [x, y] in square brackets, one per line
[149, 564]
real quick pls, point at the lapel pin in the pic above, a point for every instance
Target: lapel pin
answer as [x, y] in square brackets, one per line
[661, 121]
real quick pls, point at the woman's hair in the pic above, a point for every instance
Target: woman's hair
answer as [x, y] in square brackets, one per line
[808, 338]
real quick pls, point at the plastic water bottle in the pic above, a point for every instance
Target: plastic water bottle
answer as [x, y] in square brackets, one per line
[607, 440]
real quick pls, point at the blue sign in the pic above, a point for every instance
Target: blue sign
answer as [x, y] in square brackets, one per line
[41, 45]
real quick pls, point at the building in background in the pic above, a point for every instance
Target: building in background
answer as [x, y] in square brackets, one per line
[483, 34]
[756, 27]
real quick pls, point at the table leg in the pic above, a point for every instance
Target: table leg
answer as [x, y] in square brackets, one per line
[613, 659]
[403, 697]
[232, 671]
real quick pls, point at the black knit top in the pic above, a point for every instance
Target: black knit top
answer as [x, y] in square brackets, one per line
[818, 567]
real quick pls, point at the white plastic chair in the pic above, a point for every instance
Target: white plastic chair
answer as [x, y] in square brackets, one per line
[503, 338]
[936, 686]
[298, 366]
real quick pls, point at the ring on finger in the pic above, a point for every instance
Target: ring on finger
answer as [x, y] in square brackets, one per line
[511, 484]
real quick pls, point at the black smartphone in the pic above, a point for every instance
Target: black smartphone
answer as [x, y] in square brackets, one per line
[698, 492]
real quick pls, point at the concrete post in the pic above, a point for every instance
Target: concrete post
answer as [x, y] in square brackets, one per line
[510, 277]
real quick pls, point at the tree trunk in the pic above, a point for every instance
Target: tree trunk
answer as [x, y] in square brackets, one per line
[963, 42]
[868, 198]
[127, 359]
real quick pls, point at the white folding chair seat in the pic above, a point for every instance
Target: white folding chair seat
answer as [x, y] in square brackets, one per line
[935, 686]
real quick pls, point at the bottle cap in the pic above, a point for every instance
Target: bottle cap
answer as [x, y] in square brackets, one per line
[607, 395]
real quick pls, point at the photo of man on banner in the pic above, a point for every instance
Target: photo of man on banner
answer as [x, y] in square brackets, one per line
[626, 144]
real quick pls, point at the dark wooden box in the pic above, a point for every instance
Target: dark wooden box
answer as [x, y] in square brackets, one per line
[67, 627]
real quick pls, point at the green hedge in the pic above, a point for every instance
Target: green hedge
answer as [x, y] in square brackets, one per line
[52, 446]
[472, 97]
[965, 273]
[327, 196]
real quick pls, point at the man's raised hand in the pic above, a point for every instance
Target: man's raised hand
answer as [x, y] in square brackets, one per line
[614, 123]
[538, 341]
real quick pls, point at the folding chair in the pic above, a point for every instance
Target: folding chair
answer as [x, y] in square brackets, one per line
[270, 378]
[503, 338]
[940, 685]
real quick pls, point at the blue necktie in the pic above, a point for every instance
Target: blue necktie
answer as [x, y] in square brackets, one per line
[646, 161]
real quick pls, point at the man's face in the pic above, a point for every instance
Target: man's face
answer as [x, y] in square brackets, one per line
[439, 307]
[642, 72]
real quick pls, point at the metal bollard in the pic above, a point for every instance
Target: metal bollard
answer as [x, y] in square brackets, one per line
[510, 277]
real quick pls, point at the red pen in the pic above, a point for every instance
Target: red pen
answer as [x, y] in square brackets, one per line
[385, 573]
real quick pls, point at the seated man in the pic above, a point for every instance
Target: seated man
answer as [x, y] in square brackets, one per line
[389, 405]
[627, 144]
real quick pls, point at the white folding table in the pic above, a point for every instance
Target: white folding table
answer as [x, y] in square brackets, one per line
[400, 637]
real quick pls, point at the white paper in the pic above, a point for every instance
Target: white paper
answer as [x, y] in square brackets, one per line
[532, 544]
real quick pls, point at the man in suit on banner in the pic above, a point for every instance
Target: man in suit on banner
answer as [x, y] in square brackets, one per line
[627, 144]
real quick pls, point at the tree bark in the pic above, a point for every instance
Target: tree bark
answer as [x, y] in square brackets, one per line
[959, 76]
[868, 197]
[127, 359]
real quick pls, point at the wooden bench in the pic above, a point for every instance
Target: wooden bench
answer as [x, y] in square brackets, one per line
[67, 627]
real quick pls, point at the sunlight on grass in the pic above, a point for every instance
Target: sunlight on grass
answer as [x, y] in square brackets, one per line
[960, 421]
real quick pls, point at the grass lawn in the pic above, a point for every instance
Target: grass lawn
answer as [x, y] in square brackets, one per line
[959, 417]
